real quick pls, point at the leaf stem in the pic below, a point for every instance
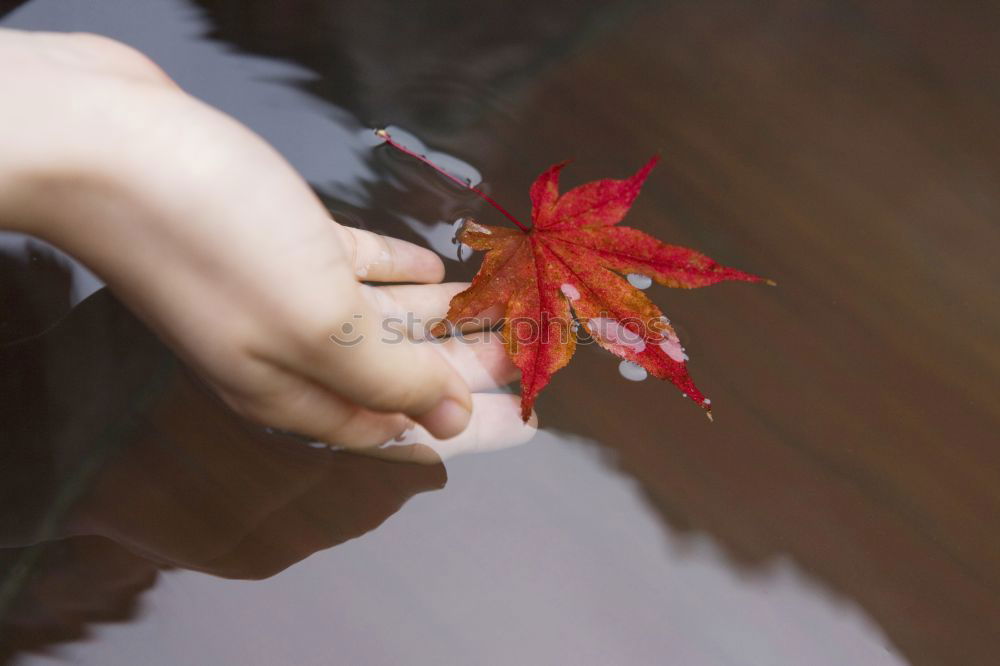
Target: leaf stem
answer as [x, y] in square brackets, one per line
[384, 135]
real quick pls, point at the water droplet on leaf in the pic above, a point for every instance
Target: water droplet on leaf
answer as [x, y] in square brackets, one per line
[639, 281]
[569, 291]
[632, 371]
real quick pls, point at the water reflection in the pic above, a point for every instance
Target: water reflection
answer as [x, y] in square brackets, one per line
[125, 462]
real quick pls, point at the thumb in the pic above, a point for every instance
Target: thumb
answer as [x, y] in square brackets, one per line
[379, 367]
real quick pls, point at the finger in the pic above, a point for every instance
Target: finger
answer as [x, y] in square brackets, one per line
[481, 359]
[352, 355]
[413, 310]
[422, 306]
[381, 258]
[297, 405]
[488, 318]
[496, 425]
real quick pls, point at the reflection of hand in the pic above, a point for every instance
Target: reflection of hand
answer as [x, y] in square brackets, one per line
[192, 484]
[205, 231]
[199, 488]
[76, 581]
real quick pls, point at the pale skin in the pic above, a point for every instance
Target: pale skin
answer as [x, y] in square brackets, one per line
[208, 234]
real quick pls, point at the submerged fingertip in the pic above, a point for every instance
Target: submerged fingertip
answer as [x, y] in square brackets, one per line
[447, 419]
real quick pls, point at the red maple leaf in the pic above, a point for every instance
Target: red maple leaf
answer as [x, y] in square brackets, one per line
[565, 274]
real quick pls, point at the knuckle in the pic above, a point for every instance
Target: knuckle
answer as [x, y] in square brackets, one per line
[287, 410]
[253, 407]
[387, 258]
[358, 430]
[311, 333]
[412, 396]
[350, 240]
[261, 396]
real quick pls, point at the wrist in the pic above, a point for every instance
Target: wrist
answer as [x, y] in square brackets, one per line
[68, 124]
[47, 160]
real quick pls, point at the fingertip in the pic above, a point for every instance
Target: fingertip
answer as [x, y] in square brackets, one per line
[379, 258]
[481, 359]
[417, 262]
[433, 265]
[446, 419]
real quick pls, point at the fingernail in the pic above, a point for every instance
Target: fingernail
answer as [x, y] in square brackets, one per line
[447, 419]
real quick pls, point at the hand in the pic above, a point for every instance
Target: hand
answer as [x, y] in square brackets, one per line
[218, 244]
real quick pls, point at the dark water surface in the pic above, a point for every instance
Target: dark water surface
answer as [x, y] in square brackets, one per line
[843, 507]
